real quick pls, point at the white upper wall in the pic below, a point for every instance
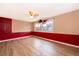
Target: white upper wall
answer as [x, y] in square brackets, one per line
[18, 10]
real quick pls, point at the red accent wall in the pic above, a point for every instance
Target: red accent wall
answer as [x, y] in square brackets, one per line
[5, 25]
[66, 38]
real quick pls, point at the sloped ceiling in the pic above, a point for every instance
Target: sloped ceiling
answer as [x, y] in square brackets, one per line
[18, 10]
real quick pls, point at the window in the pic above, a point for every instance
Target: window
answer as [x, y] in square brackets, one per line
[44, 27]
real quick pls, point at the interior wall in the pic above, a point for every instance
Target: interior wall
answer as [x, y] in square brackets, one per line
[5, 25]
[21, 26]
[67, 23]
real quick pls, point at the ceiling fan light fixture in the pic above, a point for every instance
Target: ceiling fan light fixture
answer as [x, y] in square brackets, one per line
[32, 14]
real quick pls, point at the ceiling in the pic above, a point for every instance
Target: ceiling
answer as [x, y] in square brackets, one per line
[18, 10]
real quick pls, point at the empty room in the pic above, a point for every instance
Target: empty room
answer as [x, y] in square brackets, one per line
[38, 29]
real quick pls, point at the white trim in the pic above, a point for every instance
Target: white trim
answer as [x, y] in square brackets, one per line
[15, 38]
[58, 42]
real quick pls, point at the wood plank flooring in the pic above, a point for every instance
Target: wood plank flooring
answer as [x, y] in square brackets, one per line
[35, 47]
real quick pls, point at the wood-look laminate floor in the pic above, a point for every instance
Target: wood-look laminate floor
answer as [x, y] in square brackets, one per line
[35, 47]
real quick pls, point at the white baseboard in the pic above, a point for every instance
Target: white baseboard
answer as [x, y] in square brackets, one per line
[58, 42]
[15, 38]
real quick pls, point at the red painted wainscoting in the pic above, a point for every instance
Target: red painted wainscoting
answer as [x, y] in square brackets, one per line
[14, 35]
[66, 38]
